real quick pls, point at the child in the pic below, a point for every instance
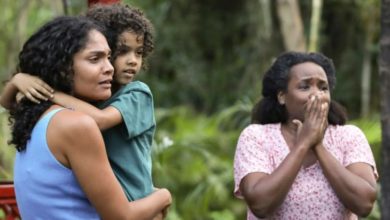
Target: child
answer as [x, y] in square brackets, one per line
[127, 118]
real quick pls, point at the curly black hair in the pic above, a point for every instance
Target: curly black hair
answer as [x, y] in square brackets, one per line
[118, 18]
[268, 110]
[48, 54]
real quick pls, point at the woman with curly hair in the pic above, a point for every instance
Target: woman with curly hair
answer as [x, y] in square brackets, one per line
[298, 160]
[61, 167]
[127, 118]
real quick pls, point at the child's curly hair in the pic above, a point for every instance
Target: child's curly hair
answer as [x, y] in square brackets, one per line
[118, 18]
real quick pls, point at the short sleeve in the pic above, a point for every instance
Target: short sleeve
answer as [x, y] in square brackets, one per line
[136, 108]
[356, 148]
[251, 155]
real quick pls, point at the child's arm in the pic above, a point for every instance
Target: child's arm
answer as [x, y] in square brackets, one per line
[30, 86]
[8, 95]
[105, 118]
[37, 90]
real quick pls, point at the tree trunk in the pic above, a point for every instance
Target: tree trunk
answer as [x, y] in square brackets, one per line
[65, 6]
[370, 16]
[315, 23]
[267, 17]
[366, 79]
[384, 72]
[291, 25]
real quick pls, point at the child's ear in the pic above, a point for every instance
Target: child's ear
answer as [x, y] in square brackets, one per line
[281, 98]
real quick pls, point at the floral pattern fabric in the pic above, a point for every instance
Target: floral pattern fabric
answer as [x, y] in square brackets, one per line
[261, 148]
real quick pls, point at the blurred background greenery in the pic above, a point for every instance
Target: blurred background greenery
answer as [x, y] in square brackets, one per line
[206, 75]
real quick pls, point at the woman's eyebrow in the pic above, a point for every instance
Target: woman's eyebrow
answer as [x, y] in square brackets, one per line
[308, 79]
[99, 52]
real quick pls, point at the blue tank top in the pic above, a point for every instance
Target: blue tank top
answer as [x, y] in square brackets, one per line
[45, 189]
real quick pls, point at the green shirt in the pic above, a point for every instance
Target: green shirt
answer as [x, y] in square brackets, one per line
[129, 143]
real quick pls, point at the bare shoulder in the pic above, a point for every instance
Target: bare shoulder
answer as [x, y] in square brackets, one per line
[72, 120]
[71, 134]
[71, 125]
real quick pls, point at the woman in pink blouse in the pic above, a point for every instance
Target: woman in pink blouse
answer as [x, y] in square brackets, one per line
[298, 160]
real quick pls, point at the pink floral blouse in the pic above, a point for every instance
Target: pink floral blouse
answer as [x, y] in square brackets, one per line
[261, 148]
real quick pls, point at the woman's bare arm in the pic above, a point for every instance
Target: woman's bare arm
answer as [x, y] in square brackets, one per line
[264, 193]
[354, 185]
[78, 143]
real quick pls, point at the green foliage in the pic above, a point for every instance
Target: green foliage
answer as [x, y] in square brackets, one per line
[345, 29]
[205, 49]
[193, 159]
[371, 127]
[18, 21]
[211, 53]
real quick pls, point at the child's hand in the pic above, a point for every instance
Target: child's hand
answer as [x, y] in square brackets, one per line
[32, 87]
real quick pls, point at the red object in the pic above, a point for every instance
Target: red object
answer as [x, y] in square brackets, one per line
[92, 2]
[8, 201]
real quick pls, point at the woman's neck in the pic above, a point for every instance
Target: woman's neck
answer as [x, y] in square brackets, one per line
[290, 127]
[115, 87]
